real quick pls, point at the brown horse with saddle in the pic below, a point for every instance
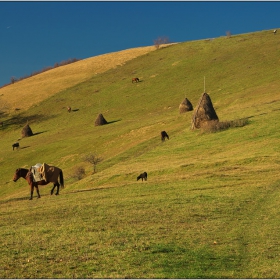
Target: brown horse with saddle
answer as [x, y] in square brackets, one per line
[41, 174]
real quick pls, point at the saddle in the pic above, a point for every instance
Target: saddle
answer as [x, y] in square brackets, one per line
[35, 170]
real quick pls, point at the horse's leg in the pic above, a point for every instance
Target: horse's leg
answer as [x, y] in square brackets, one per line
[57, 188]
[52, 189]
[31, 191]
[37, 189]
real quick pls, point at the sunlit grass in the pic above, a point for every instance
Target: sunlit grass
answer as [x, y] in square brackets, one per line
[210, 206]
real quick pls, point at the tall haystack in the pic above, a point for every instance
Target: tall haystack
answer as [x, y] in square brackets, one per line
[100, 120]
[26, 131]
[185, 106]
[204, 112]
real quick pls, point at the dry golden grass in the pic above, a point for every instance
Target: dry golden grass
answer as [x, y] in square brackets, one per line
[30, 91]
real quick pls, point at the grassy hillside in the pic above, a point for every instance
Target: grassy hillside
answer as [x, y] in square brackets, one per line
[209, 208]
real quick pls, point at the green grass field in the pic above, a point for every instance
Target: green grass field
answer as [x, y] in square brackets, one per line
[210, 207]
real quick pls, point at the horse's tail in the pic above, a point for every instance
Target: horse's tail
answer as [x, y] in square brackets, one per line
[61, 180]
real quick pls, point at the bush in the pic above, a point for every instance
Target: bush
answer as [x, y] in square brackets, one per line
[79, 172]
[216, 126]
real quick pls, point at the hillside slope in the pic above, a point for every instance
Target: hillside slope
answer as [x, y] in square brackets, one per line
[25, 93]
[210, 206]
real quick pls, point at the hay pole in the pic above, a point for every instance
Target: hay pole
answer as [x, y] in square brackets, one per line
[204, 83]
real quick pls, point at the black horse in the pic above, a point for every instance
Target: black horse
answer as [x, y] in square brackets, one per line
[15, 145]
[164, 135]
[143, 176]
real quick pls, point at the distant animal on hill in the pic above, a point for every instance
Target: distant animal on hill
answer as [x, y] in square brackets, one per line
[135, 80]
[28, 176]
[15, 145]
[274, 31]
[143, 176]
[164, 135]
[69, 109]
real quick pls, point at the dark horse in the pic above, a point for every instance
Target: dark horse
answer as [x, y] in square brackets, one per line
[135, 80]
[143, 176]
[28, 176]
[15, 145]
[164, 135]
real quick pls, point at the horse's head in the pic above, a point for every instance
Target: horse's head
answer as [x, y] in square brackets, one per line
[17, 175]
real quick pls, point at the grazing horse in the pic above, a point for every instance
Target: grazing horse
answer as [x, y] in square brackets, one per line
[28, 176]
[143, 176]
[15, 145]
[164, 135]
[135, 80]
[69, 109]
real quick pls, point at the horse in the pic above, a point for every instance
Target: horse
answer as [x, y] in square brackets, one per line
[28, 176]
[15, 145]
[135, 80]
[143, 176]
[164, 135]
[69, 109]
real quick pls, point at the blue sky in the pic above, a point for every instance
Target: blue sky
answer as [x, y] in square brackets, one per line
[35, 35]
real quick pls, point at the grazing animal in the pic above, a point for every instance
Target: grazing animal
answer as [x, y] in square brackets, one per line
[135, 80]
[15, 145]
[28, 176]
[274, 31]
[164, 135]
[143, 176]
[69, 109]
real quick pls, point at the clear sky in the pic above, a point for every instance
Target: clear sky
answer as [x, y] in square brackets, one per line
[35, 35]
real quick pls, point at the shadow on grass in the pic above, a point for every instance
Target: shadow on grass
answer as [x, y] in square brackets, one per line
[114, 121]
[20, 120]
[35, 197]
[25, 147]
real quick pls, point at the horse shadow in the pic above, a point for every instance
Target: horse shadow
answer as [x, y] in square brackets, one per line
[75, 110]
[24, 147]
[12, 199]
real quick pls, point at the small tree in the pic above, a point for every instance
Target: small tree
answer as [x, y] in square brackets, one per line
[228, 34]
[93, 159]
[160, 41]
[13, 80]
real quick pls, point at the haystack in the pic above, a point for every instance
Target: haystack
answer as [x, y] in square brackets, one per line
[204, 112]
[185, 106]
[26, 131]
[100, 120]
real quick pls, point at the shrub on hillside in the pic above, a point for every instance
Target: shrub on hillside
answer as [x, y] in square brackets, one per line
[79, 172]
[216, 126]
